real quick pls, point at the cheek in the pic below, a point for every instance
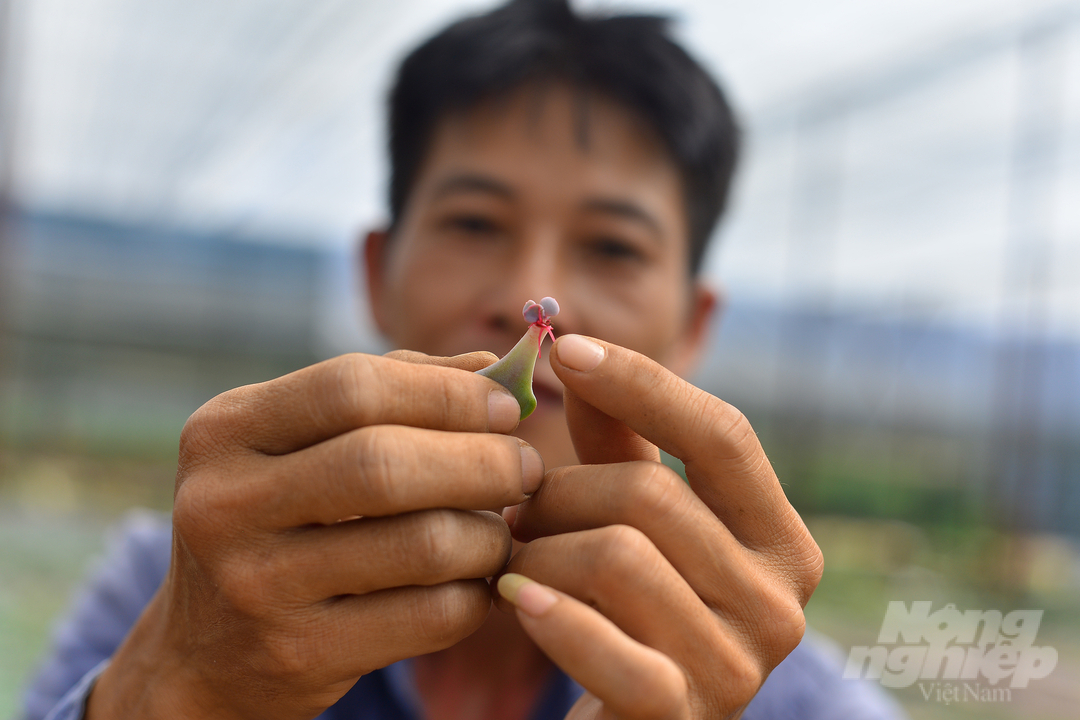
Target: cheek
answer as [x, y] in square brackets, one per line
[647, 316]
[425, 295]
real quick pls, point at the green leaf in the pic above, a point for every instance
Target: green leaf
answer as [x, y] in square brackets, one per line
[515, 370]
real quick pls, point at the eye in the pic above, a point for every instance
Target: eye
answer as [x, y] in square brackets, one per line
[473, 224]
[611, 248]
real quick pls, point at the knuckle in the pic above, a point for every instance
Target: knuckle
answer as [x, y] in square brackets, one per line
[738, 668]
[795, 555]
[781, 625]
[192, 514]
[446, 613]
[655, 488]
[789, 626]
[451, 402]
[623, 551]
[813, 568]
[663, 693]
[246, 584]
[208, 504]
[198, 509]
[372, 451]
[209, 428]
[439, 531]
[195, 437]
[350, 377]
[737, 425]
[444, 544]
[629, 542]
[735, 438]
[744, 679]
[283, 660]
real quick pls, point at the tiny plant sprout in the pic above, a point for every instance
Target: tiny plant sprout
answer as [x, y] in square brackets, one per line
[515, 370]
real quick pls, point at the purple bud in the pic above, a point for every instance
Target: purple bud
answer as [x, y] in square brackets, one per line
[550, 306]
[531, 312]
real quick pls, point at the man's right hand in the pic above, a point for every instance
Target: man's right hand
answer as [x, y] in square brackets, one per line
[325, 524]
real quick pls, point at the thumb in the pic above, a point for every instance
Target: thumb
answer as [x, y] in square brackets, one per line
[470, 362]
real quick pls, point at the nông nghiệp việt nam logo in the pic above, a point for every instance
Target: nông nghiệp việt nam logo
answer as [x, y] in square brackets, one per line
[954, 655]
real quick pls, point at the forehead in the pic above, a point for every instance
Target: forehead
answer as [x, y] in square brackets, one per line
[553, 144]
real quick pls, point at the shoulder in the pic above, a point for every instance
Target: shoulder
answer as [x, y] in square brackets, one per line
[809, 684]
[105, 608]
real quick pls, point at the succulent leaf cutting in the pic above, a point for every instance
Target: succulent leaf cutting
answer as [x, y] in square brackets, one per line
[515, 370]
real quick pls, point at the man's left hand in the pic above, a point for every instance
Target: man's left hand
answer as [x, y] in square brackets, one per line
[663, 599]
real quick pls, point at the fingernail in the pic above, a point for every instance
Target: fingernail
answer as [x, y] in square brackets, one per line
[579, 353]
[529, 595]
[504, 413]
[532, 469]
[510, 514]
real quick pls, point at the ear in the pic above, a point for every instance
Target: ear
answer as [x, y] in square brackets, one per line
[374, 269]
[705, 304]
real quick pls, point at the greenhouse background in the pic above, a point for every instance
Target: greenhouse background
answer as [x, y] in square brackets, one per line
[182, 185]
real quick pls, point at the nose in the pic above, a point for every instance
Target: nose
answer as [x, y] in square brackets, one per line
[532, 273]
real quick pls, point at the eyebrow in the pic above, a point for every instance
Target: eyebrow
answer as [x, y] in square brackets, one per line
[471, 182]
[474, 182]
[628, 210]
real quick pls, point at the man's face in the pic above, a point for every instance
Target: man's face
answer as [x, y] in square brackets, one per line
[526, 197]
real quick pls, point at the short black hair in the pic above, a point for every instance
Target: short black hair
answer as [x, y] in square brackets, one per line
[627, 58]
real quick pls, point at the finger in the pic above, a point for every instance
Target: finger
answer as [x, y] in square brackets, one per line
[630, 678]
[618, 571]
[387, 470]
[653, 499]
[362, 556]
[727, 577]
[725, 463]
[599, 438]
[345, 393]
[361, 633]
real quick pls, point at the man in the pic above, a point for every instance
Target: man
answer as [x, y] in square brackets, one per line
[336, 521]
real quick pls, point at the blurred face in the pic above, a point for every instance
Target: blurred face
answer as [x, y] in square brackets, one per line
[527, 197]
